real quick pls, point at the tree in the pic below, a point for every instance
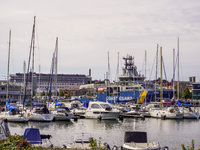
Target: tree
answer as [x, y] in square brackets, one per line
[61, 93]
[186, 94]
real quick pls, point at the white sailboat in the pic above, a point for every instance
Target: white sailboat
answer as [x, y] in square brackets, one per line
[170, 112]
[13, 114]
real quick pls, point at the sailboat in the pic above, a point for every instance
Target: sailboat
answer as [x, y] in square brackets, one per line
[13, 114]
[39, 111]
[59, 112]
[170, 112]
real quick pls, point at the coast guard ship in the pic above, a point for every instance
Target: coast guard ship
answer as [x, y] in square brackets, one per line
[132, 87]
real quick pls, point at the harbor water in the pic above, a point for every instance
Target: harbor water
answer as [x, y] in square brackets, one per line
[171, 133]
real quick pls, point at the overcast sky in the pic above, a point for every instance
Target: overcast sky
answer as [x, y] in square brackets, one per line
[88, 29]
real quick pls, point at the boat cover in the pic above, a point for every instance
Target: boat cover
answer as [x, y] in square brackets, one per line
[135, 136]
[9, 106]
[66, 109]
[57, 104]
[181, 104]
[36, 104]
[32, 135]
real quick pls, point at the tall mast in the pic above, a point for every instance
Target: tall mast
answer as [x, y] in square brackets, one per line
[109, 78]
[156, 71]
[173, 72]
[56, 66]
[117, 72]
[8, 65]
[32, 70]
[161, 78]
[178, 70]
[145, 63]
[33, 32]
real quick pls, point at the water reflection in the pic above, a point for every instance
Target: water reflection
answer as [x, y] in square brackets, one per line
[169, 133]
[41, 125]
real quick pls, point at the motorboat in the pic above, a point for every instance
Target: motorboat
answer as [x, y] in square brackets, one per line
[40, 112]
[33, 136]
[4, 130]
[136, 140]
[101, 110]
[85, 141]
[76, 107]
[81, 141]
[62, 114]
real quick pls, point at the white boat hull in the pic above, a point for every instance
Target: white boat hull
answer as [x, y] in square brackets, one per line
[101, 115]
[141, 146]
[41, 117]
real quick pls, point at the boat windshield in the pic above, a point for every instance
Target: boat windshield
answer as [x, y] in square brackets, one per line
[105, 106]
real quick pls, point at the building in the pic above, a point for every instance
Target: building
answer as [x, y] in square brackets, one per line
[196, 91]
[13, 92]
[41, 82]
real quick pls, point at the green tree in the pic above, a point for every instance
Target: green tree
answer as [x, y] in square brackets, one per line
[186, 94]
[61, 93]
[42, 94]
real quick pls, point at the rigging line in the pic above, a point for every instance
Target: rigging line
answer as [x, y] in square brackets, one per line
[152, 67]
[29, 61]
[38, 47]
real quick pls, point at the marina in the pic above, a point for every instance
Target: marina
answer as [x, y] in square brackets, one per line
[170, 133]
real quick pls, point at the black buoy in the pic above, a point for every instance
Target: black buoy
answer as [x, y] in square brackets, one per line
[165, 148]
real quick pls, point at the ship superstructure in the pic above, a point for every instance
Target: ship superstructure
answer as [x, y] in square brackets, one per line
[131, 87]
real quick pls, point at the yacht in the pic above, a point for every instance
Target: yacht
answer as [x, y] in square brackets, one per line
[101, 110]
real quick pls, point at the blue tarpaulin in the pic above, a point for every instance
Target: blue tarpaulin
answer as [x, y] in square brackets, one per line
[33, 135]
[10, 107]
[57, 104]
[181, 104]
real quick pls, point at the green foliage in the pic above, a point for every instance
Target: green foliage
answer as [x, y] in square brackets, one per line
[61, 93]
[186, 94]
[42, 94]
[94, 144]
[189, 147]
[14, 142]
[17, 142]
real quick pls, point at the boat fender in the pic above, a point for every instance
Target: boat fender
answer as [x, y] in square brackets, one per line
[165, 148]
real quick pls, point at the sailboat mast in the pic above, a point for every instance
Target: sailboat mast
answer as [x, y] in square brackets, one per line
[32, 70]
[178, 70]
[29, 61]
[161, 78]
[156, 71]
[8, 64]
[56, 67]
[173, 71]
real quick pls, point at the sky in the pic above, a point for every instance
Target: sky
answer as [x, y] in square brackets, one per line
[88, 29]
